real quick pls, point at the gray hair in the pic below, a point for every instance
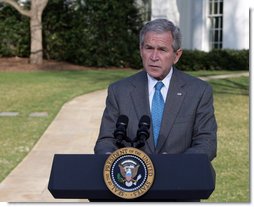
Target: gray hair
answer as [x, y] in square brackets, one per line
[160, 26]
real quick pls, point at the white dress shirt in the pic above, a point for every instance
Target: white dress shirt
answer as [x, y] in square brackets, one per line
[164, 90]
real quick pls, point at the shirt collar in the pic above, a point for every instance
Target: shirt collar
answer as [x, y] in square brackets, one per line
[166, 81]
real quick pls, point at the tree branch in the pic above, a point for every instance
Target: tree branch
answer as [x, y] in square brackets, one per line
[17, 7]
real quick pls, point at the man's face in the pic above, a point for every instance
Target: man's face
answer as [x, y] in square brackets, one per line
[158, 55]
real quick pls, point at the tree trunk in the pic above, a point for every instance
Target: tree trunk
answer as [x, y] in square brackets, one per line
[35, 15]
[37, 7]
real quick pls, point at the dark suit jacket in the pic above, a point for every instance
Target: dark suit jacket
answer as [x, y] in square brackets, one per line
[188, 124]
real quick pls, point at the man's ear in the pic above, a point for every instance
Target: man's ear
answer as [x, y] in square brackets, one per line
[178, 54]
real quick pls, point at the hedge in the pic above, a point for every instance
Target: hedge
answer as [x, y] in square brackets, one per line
[223, 59]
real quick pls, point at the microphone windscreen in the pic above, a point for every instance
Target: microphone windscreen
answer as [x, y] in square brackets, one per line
[122, 120]
[145, 120]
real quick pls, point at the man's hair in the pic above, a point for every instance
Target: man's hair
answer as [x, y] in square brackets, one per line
[161, 26]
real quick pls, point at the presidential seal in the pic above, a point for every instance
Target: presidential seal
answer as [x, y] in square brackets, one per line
[128, 173]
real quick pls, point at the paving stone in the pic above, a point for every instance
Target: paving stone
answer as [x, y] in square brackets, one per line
[9, 113]
[38, 114]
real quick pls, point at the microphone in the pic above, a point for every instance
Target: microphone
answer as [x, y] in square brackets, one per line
[120, 131]
[143, 131]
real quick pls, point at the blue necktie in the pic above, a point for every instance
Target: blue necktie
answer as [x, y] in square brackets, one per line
[157, 110]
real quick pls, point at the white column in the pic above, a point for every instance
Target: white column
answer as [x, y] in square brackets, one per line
[236, 24]
[199, 22]
[185, 22]
[193, 23]
[165, 9]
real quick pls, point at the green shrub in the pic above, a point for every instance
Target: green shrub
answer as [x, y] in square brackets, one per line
[192, 60]
[94, 33]
[223, 59]
[15, 33]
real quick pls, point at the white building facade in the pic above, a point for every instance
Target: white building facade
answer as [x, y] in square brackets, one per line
[207, 24]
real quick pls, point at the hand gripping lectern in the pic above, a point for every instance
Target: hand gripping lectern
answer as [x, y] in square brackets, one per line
[181, 177]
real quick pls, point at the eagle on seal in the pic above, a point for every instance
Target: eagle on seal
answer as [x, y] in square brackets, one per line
[129, 172]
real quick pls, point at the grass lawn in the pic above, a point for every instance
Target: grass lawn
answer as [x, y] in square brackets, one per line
[27, 92]
[232, 164]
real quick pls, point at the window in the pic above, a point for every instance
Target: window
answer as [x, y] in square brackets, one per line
[216, 23]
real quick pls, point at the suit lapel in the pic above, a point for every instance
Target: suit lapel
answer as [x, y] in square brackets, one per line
[139, 95]
[173, 103]
[140, 100]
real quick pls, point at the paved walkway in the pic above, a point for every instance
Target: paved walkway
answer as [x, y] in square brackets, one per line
[73, 131]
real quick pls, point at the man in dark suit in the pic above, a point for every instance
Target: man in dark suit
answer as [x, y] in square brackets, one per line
[188, 122]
